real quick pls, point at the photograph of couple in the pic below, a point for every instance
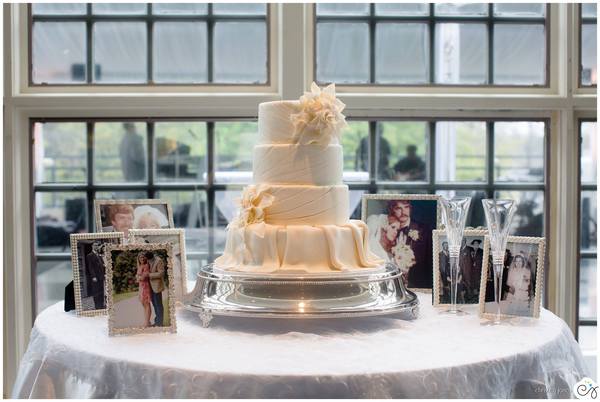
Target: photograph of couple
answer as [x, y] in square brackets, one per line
[470, 263]
[141, 295]
[120, 216]
[400, 232]
[518, 281]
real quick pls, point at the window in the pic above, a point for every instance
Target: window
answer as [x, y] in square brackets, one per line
[432, 44]
[588, 254]
[588, 62]
[141, 44]
[172, 158]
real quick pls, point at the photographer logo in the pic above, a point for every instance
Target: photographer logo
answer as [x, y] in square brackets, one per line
[586, 389]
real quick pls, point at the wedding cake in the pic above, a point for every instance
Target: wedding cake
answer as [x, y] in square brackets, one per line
[294, 218]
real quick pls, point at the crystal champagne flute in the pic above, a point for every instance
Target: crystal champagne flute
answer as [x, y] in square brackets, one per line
[454, 216]
[499, 215]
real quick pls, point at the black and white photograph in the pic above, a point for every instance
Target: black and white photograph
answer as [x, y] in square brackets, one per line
[522, 277]
[122, 215]
[140, 288]
[400, 231]
[176, 238]
[473, 253]
[89, 271]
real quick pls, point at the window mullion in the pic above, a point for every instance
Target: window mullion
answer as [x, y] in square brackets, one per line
[89, 26]
[490, 55]
[210, 25]
[150, 46]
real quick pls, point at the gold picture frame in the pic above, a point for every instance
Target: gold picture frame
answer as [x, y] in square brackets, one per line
[539, 277]
[141, 236]
[99, 212]
[112, 253]
[369, 198]
[438, 234]
[75, 239]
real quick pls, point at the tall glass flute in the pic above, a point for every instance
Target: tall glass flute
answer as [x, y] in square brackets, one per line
[454, 216]
[499, 215]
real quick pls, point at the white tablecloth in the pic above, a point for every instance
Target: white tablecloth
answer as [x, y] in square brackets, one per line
[434, 356]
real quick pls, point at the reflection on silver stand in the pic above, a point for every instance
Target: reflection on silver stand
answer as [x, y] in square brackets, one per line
[363, 293]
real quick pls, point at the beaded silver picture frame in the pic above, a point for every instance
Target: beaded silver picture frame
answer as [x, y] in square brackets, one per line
[374, 207]
[537, 248]
[470, 235]
[124, 299]
[87, 257]
[177, 238]
[145, 214]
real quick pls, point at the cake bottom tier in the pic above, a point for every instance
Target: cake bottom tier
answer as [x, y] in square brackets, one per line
[269, 248]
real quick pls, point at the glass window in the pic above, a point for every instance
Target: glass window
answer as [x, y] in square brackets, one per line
[141, 44]
[233, 151]
[180, 152]
[120, 152]
[402, 151]
[389, 44]
[460, 151]
[519, 151]
[587, 55]
[57, 215]
[355, 143]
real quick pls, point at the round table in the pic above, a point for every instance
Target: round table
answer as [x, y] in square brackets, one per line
[436, 355]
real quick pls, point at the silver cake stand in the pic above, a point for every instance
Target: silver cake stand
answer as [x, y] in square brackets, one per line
[364, 293]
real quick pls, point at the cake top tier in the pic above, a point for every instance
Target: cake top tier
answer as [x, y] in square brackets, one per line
[314, 119]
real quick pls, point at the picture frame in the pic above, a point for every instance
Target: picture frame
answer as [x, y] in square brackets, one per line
[127, 301]
[522, 303]
[409, 247]
[469, 291]
[87, 262]
[123, 215]
[177, 238]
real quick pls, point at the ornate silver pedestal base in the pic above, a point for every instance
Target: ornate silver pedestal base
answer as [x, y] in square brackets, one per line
[372, 292]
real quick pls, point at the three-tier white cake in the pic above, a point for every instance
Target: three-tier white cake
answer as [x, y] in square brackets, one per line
[294, 218]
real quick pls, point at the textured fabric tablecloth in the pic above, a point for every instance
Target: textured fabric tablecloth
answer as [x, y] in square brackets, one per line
[436, 355]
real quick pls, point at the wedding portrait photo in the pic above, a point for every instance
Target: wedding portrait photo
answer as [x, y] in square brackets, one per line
[400, 227]
[89, 271]
[472, 255]
[140, 288]
[175, 237]
[122, 215]
[522, 277]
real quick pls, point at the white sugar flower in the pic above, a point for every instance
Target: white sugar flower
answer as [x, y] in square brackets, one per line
[320, 118]
[252, 206]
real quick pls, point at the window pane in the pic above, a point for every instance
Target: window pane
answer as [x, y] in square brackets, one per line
[589, 156]
[58, 52]
[234, 143]
[57, 215]
[401, 9]
[355, 141]
[236, 41]
[180, 50]
[60, 152]
[179, 8]
[589, 61]
[402, 52]
[460, 151]
[588, 10]
[58, 8]
[519, 151]
[464, 9]
[180, 151]
[342, 9]
[476, 217]
[190, 211]
[119, 8]
[120, 152]
[461, 53]
[343, 52]
[519, 54]
[529, 218]
[51, 278]
[519, 10]
[239, 8]
[120, 52]
[402, 151]
[589, 216]
[588, 293]
[225, 211]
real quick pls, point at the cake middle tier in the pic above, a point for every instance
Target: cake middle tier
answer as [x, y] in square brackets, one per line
[308, 205]
[298, 164]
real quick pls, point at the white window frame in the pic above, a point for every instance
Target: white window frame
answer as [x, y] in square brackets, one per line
[291, 41]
